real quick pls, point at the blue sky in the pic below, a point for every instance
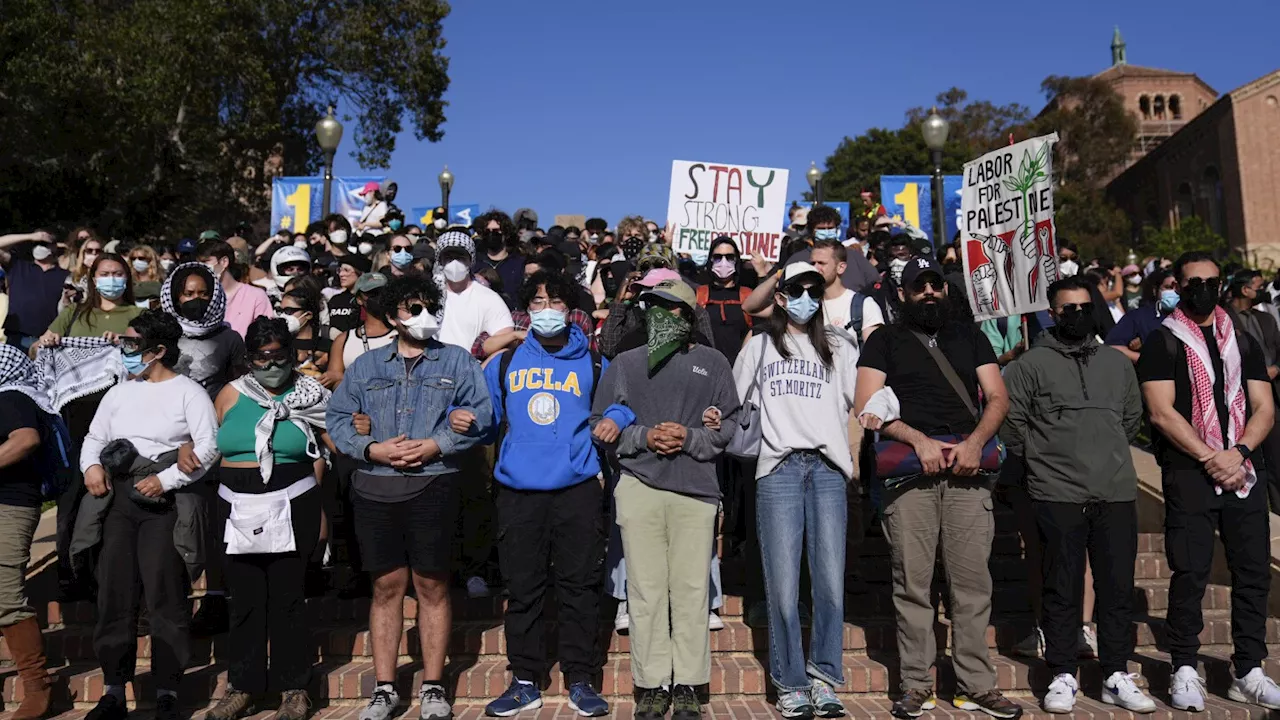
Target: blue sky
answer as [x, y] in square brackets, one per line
[579, 107]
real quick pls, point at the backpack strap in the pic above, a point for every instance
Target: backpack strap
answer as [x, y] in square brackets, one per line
[597, 363]
[504, 362]
[704, 295]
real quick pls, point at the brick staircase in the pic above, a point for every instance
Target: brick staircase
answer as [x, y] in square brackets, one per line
[739, 685]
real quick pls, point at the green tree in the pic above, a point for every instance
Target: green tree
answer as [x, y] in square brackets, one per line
[1192, 234]
[165, 116]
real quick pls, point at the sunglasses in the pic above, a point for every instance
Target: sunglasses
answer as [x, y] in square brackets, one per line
[89, 252]
[795, 291]
[292, 310]
[416, 309]
[1213, 282]
[1085, 308]
[269, 357]
[921, 284]
[730, 257]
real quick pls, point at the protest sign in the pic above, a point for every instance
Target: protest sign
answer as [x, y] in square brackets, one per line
[910, 198]
[296, 201]
[566, 221]
[746, 203]
[1007, 232]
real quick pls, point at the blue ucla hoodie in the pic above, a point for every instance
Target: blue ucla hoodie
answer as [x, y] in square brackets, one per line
[548, 444]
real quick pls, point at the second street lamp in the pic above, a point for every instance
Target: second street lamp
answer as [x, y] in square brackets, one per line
[328, 135]
[935, 129]
[814, 175]
[446, 185]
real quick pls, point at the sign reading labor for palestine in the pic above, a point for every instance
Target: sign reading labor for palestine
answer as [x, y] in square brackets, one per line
[1006, 229]
[746, 203]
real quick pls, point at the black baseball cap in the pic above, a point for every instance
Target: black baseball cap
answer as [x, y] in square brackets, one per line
[918, 266]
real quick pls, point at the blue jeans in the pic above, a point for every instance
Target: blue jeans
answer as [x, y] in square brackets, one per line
[803, 499]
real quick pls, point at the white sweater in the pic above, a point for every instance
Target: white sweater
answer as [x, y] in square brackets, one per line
[156, 418]
[803, 404]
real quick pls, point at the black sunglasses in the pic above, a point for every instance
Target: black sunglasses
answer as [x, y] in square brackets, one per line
[416, 309]
[795, 291]
[292, 310]
[730, 257]
[923, 283]
[269, 357]
[1213, 282]
[1085, 308]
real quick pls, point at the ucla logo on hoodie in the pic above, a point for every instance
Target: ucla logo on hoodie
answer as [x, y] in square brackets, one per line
[543, 407]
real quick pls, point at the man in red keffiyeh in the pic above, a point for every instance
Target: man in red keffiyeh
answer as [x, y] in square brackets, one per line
[1210, 404]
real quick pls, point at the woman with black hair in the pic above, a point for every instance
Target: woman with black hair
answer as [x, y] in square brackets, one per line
[271, 429]
[212, 353]
[132, 448]
[722, 296]
[802, 378]
[301, 309]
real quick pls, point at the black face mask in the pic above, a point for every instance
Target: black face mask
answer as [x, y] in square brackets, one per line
[610, 284]
[1074, 326]
[928, 316]
[493, 241]
[194, 310]
[1200, 299]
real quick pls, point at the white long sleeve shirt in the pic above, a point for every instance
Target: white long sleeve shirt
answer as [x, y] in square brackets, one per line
[156, 417]
[803, 404]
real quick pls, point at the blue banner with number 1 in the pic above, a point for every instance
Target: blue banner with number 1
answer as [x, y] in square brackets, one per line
[910, 198]
[295, 201]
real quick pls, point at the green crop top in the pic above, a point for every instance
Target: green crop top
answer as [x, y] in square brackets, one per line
[235, 437]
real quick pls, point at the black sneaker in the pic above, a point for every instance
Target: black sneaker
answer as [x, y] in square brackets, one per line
[685, 704]
[653, 704]
[167, 707]
[108, 708]
[913, 704]
[212, 618]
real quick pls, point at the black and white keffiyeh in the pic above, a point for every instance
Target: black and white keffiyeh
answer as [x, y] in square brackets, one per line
[304, 407]
[214, 316]
[18, 373]
[77, 367]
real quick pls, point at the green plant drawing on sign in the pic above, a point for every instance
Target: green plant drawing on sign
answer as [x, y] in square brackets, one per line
[1030, 172]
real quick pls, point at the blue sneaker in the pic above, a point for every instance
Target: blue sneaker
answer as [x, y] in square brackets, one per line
[520, 696]
[585, 699]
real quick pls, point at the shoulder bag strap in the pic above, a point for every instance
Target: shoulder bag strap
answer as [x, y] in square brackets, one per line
[755, 381]
[948, 371]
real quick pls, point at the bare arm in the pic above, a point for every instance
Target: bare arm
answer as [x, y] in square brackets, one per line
[997, 396]
[1159, 395]
[1124, 350]
[760, 301]
[21, 443]
[7, 241]
[1260, 423]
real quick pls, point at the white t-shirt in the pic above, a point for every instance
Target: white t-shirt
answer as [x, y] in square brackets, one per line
[836, 310]
[471, 312]
[373, 214]
[803, 404]
[872, 315]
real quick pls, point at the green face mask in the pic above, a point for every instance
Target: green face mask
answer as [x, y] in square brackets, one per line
[668, 333]
[272, 376]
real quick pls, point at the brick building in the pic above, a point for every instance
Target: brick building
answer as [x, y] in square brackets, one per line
[1203, 155]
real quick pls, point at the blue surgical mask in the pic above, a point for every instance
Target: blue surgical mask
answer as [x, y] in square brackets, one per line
[1169, 300]
[801, 309]
[111, 288]
[827, 234]
[134, 364]
[394, 225]
[549, 322]
[401, 258]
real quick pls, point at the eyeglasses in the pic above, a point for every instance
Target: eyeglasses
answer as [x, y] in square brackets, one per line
[89, 252]
[730, 257]
[544, 303]
[923, 283]
[269, 357]
[292, 310]
[1214, 283]
[416, 309]
[1085, 308]
[131, 345]
[795, 291]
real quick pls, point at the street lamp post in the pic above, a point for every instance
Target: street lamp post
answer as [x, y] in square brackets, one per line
[446, 185]
[814, 175]
[328, 134]
[935, 129]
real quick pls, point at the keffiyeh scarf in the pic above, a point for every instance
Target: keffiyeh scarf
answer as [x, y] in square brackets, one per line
[453, 238]
[214, 315]
[19, 373]
[78, 367]
[304, 407]
[1204, 410]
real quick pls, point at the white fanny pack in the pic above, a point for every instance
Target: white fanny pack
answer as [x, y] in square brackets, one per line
[262, 523]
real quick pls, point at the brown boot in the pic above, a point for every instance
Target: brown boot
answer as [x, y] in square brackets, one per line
[26, 646]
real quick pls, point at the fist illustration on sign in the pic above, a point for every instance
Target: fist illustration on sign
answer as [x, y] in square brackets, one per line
[984, 287]
[1049, 266]
[996, 249]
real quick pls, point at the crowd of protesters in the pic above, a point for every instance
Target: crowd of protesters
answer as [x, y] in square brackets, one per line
[424, 409]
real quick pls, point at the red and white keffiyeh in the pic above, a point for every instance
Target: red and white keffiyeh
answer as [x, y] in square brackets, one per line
[1204, 410]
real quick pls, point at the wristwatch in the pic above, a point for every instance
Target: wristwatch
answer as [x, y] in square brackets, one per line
[1244, 450]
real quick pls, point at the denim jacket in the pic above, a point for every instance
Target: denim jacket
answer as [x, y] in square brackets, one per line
[416, 406]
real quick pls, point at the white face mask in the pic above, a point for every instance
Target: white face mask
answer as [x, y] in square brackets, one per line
[167, 265]
[294, 324]
[141, 265]
[1068, 268]
[365, 248]
[440, 223]
[40, 252]
[895, 269]
[421, 327]
[338, 237]
[455, 271]
[300, 244]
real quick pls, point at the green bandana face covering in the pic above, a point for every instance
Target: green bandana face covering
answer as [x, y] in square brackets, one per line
[668, 333]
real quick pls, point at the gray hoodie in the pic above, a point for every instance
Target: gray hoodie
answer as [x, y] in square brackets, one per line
[1073, 411]
[690, 382]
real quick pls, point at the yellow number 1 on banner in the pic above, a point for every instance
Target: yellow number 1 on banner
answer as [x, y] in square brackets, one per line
[300, 201]
[909, 199]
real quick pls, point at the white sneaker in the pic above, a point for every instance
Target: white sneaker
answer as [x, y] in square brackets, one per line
[1031, 647]
[1187, 690]
[1061, 698]
[622, 621]
[1121, 689]
[1088, 643]
[714, 622]
[477, 587]
[1256, 689]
